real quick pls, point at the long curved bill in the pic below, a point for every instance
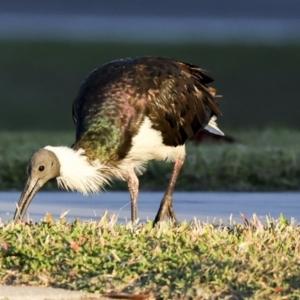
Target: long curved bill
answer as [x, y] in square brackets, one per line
[32, 186]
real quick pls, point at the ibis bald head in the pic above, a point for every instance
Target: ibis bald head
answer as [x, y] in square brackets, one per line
[42, 166]
[72, 169]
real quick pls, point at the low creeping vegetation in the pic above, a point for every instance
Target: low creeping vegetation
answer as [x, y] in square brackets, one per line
[192, 261]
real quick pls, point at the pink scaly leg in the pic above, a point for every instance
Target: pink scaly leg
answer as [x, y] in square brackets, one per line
[133, 186]
[166, 205]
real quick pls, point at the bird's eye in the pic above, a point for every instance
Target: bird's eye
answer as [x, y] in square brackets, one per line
[41, 168]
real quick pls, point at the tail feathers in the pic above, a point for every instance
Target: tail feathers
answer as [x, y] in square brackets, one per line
[213, 127]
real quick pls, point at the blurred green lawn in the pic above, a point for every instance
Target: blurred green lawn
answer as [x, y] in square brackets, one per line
[39, 80]
[261, 160]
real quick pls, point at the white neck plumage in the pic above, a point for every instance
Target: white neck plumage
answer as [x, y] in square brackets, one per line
[77, 173]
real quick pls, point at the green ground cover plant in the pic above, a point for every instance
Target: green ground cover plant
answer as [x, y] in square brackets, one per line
[260, 160]
[192, 261]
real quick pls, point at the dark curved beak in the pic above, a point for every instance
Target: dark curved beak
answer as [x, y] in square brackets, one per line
[31, 188]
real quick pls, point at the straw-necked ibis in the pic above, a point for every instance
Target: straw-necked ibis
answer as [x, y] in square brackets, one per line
[128, 112]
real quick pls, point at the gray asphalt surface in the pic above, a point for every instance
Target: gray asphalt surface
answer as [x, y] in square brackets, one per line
[216, 21]
[288, 9]
[203, 205]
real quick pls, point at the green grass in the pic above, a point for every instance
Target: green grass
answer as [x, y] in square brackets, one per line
[266, 160]
[192, 261]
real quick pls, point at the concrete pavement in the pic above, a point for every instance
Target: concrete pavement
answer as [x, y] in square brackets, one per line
[48, 293]
[203, 205]
[43, 293]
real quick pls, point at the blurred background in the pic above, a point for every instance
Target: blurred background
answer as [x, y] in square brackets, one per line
[251, 48]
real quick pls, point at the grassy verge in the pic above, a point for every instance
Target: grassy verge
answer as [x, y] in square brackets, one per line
[192, 261]
[261, 161]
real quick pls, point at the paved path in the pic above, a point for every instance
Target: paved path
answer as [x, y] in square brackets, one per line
[287, 9]
[40, 293]
[204, 206]
[271, 21]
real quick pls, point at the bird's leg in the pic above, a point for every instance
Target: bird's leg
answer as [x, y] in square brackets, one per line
[166, 205]
[133, 186]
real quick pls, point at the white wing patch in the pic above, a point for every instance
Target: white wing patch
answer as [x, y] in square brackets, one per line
[213, 127]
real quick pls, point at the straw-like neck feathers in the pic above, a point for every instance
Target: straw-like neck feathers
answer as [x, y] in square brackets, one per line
[77, 173]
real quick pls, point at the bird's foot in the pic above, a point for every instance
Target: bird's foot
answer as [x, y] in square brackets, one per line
[166, 210]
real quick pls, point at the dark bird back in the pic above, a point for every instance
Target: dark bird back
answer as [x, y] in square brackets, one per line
[115, 99]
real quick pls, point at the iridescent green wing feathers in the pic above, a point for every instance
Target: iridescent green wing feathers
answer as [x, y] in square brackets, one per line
[106, 120]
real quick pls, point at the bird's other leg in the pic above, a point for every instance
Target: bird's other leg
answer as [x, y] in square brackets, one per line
[133, 186]
[166, 205]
